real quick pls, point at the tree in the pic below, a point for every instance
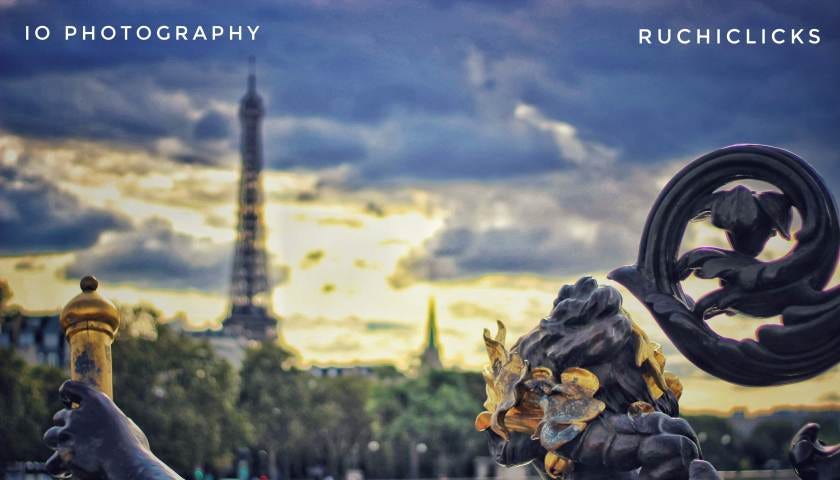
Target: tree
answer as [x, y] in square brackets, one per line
[5, 294]
[338, 423]
[767, 444]
[28, 399]
[718, 441]
[302, 420]
[181, 395]
[829, 426]
[272, 396]
[437, 410]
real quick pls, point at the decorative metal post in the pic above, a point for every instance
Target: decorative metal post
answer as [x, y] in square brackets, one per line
[92, 437]
[90, 323]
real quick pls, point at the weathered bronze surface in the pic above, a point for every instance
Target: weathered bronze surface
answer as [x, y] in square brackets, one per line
[90, 323]
[638, 435]
[93, 439]
[604, 400]
[812, 459]
[807, 342]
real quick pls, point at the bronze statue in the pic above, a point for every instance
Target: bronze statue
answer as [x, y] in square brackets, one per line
[814, 460]
[96, 440]
[613, 412]
[92, 437]
[585, 394]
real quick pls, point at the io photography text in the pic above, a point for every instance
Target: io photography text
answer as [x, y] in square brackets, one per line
[126, 33]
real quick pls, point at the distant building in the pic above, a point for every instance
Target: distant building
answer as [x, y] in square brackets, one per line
[38, 339]
[351, 371]
[380, 372]
[430, 358]
[744, 424]
[229, 347]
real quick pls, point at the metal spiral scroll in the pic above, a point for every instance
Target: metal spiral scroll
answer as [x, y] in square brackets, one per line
[807, 342]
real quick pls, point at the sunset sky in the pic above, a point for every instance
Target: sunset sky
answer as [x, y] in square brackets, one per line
[484, 153]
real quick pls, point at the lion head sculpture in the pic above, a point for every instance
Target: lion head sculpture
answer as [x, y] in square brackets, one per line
[587, 359]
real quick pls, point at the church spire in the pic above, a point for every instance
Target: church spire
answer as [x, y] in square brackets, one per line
[430, 359]
[431, 325]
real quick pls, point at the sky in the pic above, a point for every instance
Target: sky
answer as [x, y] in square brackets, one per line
[481, 152]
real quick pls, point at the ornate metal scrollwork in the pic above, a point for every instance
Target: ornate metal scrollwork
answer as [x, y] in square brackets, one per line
[807, 342]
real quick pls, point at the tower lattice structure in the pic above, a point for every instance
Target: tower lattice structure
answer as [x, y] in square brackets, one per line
[250, 290]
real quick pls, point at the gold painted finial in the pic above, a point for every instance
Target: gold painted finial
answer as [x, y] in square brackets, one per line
[90, 354]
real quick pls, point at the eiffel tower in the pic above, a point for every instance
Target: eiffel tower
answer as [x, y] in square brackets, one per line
[250, 291]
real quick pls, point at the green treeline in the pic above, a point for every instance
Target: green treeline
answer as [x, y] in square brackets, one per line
[196, 411]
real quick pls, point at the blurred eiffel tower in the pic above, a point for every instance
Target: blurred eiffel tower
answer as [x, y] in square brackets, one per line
[250, 314]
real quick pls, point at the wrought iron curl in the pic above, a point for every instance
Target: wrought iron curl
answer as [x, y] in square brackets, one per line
[807, 342]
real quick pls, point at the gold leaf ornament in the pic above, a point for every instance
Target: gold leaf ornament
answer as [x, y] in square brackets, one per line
[651, 360]
[568, 408]
[502, 378]
[557, 466]
[674, 384]
[531, 400]
[640, 408]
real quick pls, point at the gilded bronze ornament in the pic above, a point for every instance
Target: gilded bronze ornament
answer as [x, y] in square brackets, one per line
[598, 384]
[90, 323]
[92, 437]
[639, 434]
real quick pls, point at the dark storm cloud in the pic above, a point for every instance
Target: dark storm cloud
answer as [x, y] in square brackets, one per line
[379, 64]
[37, 217]
[213, 125]
[428, 92]
[542, 248]
[457, 148]
[313, 148]
[113, 105]
[562, 225]
[153, 255]
[193, 159]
